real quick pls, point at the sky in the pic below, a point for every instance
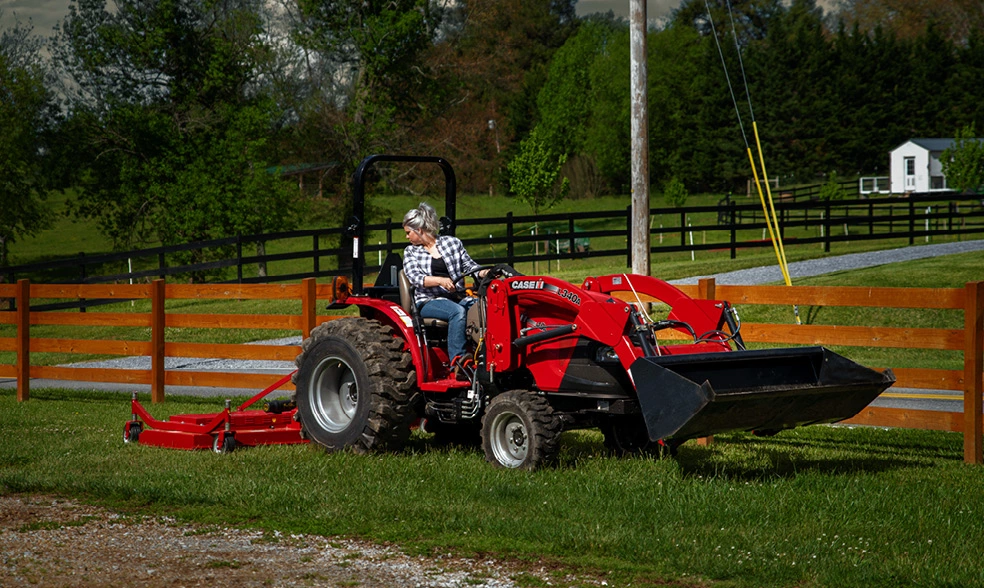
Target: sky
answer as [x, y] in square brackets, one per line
[44, 14]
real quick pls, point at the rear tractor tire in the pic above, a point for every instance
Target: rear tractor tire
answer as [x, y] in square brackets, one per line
[520, 430]
[354, 387]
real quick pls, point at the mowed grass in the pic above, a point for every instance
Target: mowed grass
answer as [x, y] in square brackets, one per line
[816, 506]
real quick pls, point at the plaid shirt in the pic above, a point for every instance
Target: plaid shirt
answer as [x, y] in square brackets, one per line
[417, 265]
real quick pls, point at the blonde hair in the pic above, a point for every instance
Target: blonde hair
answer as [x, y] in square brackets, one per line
[422, 219]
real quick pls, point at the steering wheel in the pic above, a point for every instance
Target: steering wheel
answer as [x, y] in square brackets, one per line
[499, 270]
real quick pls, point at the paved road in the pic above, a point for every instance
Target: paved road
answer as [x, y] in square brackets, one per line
[902, 398]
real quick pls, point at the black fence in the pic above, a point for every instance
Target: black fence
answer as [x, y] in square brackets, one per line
[729, 225]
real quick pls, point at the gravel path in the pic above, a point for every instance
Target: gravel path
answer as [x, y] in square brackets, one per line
[48, 541]
[837, 263]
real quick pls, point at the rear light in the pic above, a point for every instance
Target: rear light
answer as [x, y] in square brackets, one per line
[340, 289]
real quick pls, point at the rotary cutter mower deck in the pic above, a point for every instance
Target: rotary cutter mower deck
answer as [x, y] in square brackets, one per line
[221, 432]
[547, 356]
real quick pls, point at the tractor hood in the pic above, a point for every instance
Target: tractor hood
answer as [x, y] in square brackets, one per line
[766, 390]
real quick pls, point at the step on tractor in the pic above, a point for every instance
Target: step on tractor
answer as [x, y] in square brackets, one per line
[548, 356]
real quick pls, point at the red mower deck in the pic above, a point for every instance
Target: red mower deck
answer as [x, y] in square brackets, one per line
[221, 432]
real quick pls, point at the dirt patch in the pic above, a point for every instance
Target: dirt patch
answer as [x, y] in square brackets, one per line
[48, 541]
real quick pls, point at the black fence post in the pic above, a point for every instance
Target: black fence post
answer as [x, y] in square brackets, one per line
[510, 251]
[161, 266]
[389, 236]
[239, 258]
[826, 227]
[683, 229]
[315, 251]
[912, 221]
[570, 228]
[734, 230]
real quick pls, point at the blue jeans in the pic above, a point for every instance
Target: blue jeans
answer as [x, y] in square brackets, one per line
[455, 314]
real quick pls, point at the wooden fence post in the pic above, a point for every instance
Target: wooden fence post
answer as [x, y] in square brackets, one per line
[23, 300]
[973, 358]
[309, 304]
[705, 291]
[157, 323]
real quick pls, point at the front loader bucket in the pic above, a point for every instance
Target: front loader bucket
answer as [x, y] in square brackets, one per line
[696, 395]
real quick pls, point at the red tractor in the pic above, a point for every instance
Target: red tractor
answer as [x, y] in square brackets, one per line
[549, 356]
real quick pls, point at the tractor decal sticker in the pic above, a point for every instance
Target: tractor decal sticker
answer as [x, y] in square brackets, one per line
[403, 315]
[563, 293]
[541, 285]
[526, 285]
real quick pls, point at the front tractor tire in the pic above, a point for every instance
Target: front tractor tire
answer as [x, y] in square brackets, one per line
[354, 387]
[520, 430]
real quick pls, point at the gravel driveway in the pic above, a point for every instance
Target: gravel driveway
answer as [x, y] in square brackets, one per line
[47, 541]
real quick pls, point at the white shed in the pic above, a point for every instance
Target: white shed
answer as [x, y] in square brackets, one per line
[916, 166]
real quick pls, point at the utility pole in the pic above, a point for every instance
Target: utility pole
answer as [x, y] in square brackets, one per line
[640, 138]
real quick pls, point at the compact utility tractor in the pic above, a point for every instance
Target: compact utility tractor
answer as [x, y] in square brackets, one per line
[547, 356]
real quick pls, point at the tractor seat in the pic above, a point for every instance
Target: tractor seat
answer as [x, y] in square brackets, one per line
[406, 301]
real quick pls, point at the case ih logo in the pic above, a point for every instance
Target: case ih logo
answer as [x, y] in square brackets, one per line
[526, 285]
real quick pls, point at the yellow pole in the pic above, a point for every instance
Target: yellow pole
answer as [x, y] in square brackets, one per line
[768, 189]
[768, 219]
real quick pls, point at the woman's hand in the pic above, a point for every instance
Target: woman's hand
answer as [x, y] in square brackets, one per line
[440, 282]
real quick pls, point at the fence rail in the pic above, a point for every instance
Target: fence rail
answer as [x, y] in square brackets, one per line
[729, 226]
[969, 339]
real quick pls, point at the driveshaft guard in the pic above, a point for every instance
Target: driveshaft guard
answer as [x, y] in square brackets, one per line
[688, 396]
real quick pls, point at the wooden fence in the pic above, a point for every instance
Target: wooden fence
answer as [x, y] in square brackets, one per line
[969, 339]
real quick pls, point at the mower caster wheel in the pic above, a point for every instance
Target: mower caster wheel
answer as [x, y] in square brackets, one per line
[223, 443]
[131, 431]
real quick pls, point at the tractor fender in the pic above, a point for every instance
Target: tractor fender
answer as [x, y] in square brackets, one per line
[392, 314]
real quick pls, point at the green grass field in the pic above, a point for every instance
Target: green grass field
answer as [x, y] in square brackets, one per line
[816, 506]
[821, 506]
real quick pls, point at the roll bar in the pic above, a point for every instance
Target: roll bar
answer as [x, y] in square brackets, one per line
[357, 226]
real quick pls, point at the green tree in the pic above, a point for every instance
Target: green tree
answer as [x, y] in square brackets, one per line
[174, 118]
[676, 193]
[963, 162]
[26, 111]
[534, 174]
[365, 77]
[831, 189]
[607, 138]
[564, 100]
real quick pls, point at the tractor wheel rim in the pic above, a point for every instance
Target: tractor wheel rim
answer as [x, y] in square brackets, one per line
[333, 395]
[510, 440]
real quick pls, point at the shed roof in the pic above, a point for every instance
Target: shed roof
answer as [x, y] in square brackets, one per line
[935, 144]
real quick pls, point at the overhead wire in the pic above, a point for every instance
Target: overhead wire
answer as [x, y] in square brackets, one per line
[768, 209]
